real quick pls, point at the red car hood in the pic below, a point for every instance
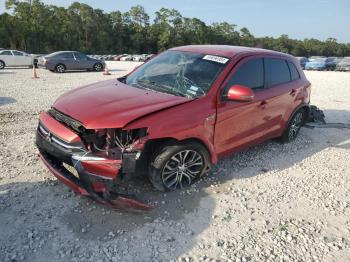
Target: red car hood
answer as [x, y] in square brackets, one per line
[112, 104]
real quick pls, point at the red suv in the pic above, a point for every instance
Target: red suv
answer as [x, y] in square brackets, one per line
[172, 118]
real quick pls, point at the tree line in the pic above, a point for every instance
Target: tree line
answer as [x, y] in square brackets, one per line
[36, 27]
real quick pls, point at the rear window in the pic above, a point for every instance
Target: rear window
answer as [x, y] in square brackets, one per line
[250, 74]
[65, 55]
[278, 71]
[294, 73]
[6, 53]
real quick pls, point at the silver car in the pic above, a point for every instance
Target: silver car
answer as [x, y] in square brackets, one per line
[70, 60]
[14, 58]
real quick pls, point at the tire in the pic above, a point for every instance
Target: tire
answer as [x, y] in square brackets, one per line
[2, 64]
[294, 125]
[60, 68]
[167, 170]
[98, 67]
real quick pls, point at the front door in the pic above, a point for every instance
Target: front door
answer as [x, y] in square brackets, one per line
[239, 124]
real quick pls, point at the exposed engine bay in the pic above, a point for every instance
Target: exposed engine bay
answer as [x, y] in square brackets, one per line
[100, 160]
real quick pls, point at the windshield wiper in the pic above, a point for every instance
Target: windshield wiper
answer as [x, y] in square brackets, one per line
[158, 87]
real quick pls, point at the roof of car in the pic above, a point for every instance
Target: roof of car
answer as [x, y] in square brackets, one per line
[225, 50]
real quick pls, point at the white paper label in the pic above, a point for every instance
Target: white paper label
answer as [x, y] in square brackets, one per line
[214, 58]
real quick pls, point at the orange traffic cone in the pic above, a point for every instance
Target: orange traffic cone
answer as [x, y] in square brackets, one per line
[106, 72]
[34, 74]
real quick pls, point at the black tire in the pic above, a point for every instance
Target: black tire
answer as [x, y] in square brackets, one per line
[163, 162]
[98, 67]
[293, 127]
[2, 64]
[60, 68]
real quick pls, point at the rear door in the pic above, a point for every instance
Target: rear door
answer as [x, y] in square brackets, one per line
[67, 59]
[281, 92]
[239, 124]
[7, 57]
[21, 59]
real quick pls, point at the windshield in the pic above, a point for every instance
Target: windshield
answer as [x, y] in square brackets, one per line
[179, 73]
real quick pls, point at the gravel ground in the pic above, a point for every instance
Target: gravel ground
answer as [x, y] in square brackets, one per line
[272, 202]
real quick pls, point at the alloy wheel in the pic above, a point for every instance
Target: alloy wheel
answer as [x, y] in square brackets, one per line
[98, 67]
[181, 169]
[295, 125]
[60, 68]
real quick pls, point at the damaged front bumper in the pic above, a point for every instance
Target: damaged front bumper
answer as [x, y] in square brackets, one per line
[85, 173]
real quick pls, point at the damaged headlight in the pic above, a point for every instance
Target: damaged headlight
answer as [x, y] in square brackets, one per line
[112, 139]
[125, 138]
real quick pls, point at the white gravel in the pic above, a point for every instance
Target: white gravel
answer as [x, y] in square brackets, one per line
[271, 203]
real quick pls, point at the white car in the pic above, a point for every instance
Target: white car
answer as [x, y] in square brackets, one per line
[15, 58]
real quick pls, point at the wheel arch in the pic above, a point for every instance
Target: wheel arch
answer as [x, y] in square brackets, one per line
[152, 145]
[3, 62]
[304, 106]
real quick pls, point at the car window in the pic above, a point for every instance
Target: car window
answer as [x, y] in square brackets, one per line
[250, 74]
[16, 53]
[277, 71]
[6, 53]
[65, 55]
[294, 73]
[80, 56]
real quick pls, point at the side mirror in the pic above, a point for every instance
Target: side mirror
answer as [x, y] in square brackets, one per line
[240, 93]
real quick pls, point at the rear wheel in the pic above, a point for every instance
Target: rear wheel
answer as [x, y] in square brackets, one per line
[2, 64]
[178, 165]
[60, 68]
[294, 126]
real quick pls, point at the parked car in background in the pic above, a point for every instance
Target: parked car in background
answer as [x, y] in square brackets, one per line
[312, 58]
[316, 64]
[139, 58]
[148, 57]
[118, 57]
[70, 60]
[233, 97]
[14, 58]
[302, 61]
[126, 58]
[343, 65]
[332, 62]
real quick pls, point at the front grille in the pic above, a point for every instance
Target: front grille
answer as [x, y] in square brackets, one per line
[67, 121]
[51, 138]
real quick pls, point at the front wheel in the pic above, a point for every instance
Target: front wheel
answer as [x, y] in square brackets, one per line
[2, 65]
[294, 125]
[98, 67]
[178, 165]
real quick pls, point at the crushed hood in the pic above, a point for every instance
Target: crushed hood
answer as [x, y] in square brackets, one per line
[112, 104]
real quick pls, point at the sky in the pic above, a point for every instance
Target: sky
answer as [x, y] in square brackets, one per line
[299, 19]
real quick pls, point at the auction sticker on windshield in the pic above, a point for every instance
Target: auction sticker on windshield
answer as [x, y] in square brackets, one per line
[215, 58]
